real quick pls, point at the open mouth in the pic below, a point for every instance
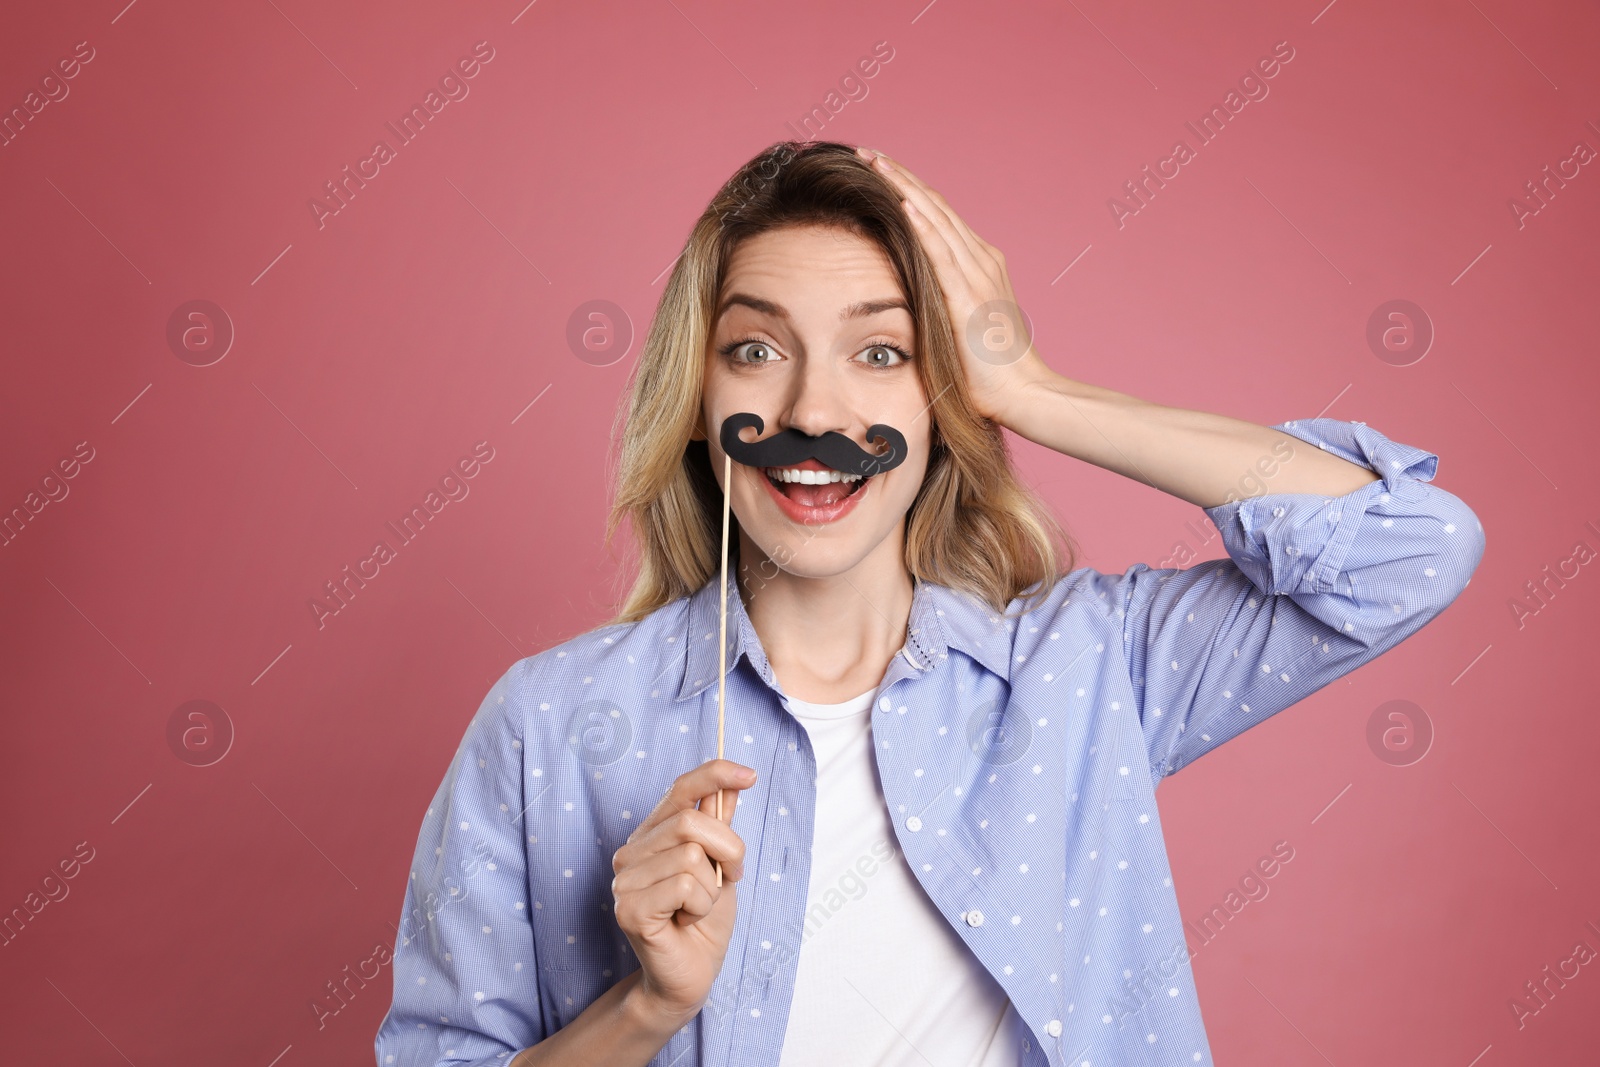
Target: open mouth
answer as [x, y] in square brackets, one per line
[814, 488]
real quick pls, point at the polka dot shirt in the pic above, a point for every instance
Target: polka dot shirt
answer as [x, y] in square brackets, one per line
[1019, 758]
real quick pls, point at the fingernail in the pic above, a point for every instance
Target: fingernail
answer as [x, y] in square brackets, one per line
[747, 775]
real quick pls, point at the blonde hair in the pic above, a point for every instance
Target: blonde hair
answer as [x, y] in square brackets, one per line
[973, 526]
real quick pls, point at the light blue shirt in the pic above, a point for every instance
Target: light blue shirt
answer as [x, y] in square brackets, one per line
[1018, 758]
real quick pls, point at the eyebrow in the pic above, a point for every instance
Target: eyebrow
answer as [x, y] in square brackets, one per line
[858, 310]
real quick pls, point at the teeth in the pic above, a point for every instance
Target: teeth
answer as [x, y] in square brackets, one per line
[807, 477]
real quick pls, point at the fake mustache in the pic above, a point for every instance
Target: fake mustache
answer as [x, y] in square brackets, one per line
[789, 447]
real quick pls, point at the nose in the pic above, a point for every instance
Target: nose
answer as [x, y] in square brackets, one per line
[818, 400]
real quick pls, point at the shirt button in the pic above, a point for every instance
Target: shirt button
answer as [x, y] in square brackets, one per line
[1053, 1027]
[913, 824]
[974, 917]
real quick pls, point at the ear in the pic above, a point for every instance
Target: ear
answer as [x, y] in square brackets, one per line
[698, 433]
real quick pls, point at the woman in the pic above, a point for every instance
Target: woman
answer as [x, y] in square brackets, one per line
[949, 851]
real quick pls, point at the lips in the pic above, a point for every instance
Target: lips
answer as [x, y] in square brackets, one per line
[811, 493]
[812, 484]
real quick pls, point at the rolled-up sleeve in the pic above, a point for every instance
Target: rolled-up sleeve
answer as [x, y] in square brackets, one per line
[465, 989]
[1312, 588]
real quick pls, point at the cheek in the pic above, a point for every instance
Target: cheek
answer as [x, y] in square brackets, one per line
[908, 477]
[919, 454]
[751, 503]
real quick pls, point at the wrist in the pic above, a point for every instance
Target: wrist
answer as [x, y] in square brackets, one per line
[649, 1013]
[1031, 387]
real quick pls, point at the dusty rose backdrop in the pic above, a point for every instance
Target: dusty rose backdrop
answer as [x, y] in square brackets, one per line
[242, 345]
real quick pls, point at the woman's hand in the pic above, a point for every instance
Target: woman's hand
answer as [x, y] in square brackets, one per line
[996, 351]
[665, 892]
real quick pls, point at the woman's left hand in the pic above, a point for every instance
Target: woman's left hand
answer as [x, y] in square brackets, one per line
[990, 333]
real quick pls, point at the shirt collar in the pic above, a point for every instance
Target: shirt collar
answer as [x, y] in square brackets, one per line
[941, 619]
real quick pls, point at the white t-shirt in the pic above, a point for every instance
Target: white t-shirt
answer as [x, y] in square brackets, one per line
[883, 980]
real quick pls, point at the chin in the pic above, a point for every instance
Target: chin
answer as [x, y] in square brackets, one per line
[823, 551]
[808, 561]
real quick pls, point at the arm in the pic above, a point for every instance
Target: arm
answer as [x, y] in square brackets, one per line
[1191, 454]
[1206, 459]
[465, 971]
[620, 1027]
[1338, 551]
[466, 989]
[1314, 586]
[1350, 555]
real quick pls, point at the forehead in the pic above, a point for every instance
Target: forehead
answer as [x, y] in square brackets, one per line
[811, 268]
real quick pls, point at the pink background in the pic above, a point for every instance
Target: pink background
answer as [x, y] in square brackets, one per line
[375, 351]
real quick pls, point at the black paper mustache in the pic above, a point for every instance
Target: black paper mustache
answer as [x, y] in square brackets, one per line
[789, 447]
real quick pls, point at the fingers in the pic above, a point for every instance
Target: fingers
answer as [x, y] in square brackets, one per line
[730, 800]
[935, 220]
[687, 858]
[714, 838]
[688, 789]
[966, 249]
[676, 883]
[664, 899]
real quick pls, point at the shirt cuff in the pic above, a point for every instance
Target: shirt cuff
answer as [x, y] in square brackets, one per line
[1298, 542]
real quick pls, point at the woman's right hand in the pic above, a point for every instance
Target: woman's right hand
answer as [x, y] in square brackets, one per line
[665, 893]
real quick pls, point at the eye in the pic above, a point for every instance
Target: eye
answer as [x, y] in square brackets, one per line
[767, 355]
[883, 354]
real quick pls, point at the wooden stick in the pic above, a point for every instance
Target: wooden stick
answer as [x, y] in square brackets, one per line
[722, 646]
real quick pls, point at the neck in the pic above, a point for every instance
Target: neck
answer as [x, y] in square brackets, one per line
[828, 638]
